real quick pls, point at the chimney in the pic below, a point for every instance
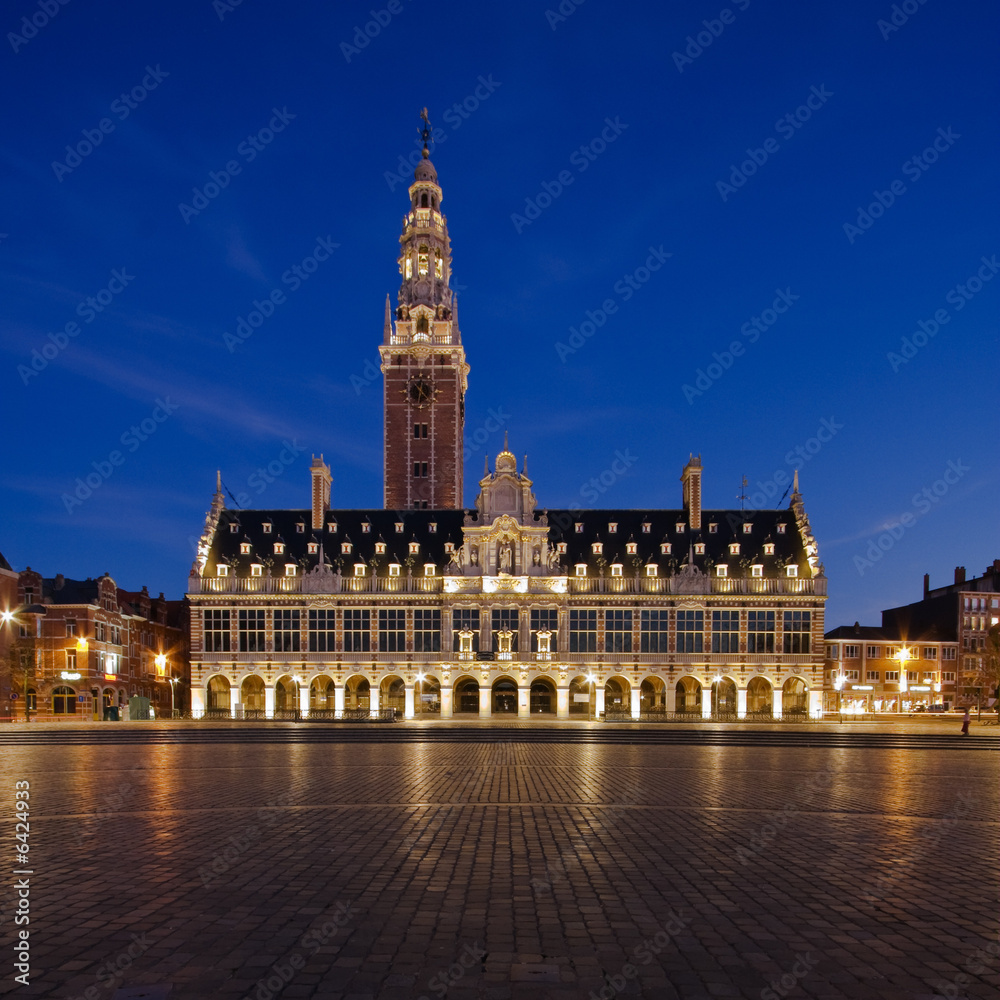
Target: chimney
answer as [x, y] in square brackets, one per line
[927, 584]
[691, 480]
[321, 482]
[959, 574]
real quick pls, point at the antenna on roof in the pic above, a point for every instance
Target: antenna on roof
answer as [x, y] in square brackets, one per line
[742, 495]
[231, 497]
[425, 133]
[782, 500]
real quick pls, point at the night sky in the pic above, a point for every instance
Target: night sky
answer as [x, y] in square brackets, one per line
[812, 183]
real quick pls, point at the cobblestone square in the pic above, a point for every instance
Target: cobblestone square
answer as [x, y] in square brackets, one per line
[252, 866]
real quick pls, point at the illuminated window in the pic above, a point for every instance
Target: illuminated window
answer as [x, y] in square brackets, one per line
[267, 527]
[561, 548]
[631, 548]
[312, 548]
[300, 527]
[422, 258]
[399, 527]
[233, 528]
[699, 548]
[291, 569]
[432, 527]
[414, 548]
[393, 569]
[597, 548]
[346, 548]
[680, 527]
[612, 527]
[578, 526]
[646, 527]
[873, 652]
[581, 569]
[734, 549]
[757, 570]
[769, 548]
[366, 528]
[713, 528]
[722, 570]
[331, 526]
[408, 267]
[279, 548]
[747, 527]
[222, 569]
[244, 548]
[651, 569]
[360, 569]
[665, 549]
[380, 548]
[256, 569]
[781, 528]
[438, 265]
[429, 569]
[872, 675]
[616, 569]
[791, 570]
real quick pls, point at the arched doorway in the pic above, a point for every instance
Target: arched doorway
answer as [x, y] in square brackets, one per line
[652, 695]
[286, 698]
[253, 697]
[219, 701]
[542, 699]
[688, 693]
[466, 699]
[357, 694]
[794, 697]
[759, 701]
[724, 697]
[504, 697]
[427, 696]
[392, 694]
[581, 698]
[617, 696]
[322, 694]
[63, 701]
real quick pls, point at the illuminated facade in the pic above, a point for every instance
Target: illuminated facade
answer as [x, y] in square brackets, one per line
[427, 609]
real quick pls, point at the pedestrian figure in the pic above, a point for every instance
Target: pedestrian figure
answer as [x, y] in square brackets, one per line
[965, 723]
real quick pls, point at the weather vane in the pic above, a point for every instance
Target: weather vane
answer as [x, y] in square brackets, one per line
[743, 492]
[426, 132]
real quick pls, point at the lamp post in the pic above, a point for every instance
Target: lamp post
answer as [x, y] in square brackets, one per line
[902, 656]
[172, 682]
[838, 684]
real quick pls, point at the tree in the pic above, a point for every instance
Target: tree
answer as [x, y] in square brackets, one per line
[22, 658]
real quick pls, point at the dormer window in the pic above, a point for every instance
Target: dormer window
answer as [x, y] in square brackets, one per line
[300, 527]
[222, 569]
[734, 549]
[346, 548]
[561, 548]
[646, 527]
[578, 527]
[781, 528]
[267, 527]
[331, 526]
[244, 548]
[680, 527]
[616, 569]
[631, 548]
[665, 549]
[432, 527]
[429, 569]
[651, 569]
[291, 569]
[722, 570]
[769, 548]
[360, 569]
[414, 548]
[449, 547]
[792, 570]
[612, 527]
[256, 569]
[699, 548]
[713, 528]
[312, 548]
[393, 569]
[597, 548]
[399, 527]
[581, 569]
[279, 548]
[757, 570]
[233, 528]
[747, 527]
[380, 548]
[366, 527]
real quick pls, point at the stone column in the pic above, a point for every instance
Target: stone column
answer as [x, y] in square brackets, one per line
[304, 700]
[485, 701]
[446, 712]
[816, 703]
[234, 699]
[706, 702]
[339, 693]
[562, 703]
[524, 701]
[671, 697]
[269, 701]
[776, 703]
[198, 697]
[741, 703]
[599, 700]
[374, 700]
[636, 702]
[408, 709]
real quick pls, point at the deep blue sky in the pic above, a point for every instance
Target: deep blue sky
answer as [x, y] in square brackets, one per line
[884, 101]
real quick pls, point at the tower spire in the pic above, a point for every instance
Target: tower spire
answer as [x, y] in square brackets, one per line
[426, 133]
[387, 328]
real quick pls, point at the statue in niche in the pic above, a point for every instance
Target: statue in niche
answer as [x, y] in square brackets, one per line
[536, 557]
[474, 556]
[506, 556]
[552, 557]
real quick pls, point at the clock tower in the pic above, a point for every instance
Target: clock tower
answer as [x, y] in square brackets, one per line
[423, 361]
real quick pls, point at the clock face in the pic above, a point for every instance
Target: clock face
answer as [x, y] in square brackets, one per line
[420, 391]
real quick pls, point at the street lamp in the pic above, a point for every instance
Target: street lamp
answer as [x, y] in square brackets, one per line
[172, 681]
[902, 656]
[838, 684]
[298, 695]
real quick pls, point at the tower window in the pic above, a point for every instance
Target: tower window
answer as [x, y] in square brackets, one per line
[420, 430]
[423, 200]
[420, 470]
[408, 267]
[422, 325]
[422, 260]
[438, 265]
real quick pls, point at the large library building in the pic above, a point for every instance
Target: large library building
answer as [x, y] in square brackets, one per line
[425, 609]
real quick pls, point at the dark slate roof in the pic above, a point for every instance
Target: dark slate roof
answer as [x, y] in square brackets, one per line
[877, 632]
[65, 591]
[4, 564]
[788, 546]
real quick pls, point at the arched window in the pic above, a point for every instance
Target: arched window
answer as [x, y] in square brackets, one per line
[422, 326]
[438, 265]
[422, 260]
[63, 701]
[423, 200]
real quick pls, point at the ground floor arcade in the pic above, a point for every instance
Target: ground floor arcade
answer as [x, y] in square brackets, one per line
[486, 694]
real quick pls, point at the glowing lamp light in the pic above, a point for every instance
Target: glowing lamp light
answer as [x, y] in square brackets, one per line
[81, 643]
[7, 616]
[161, 664]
